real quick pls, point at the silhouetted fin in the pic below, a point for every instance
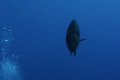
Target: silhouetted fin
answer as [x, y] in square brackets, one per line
[70, 52]
[82, 39]
[75, 53]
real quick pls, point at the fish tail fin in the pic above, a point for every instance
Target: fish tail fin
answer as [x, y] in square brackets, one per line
[70, 52]
[75, 53]
[82, 39]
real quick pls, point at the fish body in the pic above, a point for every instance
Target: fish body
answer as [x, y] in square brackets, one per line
[73, 36]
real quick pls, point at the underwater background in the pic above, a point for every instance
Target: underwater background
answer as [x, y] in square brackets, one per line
[39, 30]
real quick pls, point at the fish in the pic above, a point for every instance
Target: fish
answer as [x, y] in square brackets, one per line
[73, 36]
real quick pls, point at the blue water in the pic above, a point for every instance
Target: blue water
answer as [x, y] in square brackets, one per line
[39, 29]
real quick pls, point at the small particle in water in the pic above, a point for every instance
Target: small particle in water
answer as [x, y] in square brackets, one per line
[6, 40]
[4, 28]
[9, 30]
[12, 4]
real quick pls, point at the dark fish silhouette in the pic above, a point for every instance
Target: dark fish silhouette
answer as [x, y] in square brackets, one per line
[73, 36]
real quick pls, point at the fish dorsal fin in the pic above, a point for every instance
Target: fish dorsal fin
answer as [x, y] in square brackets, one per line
[82, 39]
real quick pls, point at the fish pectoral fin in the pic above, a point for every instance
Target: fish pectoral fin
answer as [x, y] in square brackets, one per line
[82, 39]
